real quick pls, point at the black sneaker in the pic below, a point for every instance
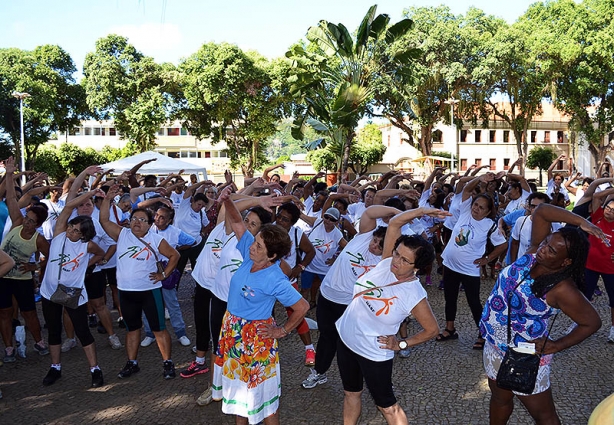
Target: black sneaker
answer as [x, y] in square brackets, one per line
[97, 379]
[169, 369]
[52, 376]
[128, 370]
[92, 321]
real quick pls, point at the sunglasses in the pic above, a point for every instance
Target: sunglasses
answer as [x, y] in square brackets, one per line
[331, 219]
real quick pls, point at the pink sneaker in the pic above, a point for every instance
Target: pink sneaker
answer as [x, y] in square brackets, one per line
[310, 357]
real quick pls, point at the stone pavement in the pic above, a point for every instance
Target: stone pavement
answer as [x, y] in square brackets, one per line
[440, 383]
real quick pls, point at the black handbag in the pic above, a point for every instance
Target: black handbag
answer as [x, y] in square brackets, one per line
[66, 295]
[518, 371]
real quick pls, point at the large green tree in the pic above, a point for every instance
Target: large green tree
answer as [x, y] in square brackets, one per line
[124, 85]
[334, 76]
[57, 102]
[233, 96]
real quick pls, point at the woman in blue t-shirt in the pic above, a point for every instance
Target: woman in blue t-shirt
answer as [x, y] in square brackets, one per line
[247, 372]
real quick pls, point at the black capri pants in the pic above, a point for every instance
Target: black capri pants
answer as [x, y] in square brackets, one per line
[218, 309]
[202, 317]
[134, 303]
[378, 375]
[52, 313]
[452, 281]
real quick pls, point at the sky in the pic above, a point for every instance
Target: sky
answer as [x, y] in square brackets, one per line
[169, 30]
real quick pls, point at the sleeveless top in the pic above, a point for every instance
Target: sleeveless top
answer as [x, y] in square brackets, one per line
[20, 250]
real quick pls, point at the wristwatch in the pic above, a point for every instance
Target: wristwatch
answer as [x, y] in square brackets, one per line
[164, 275]
[403, 344]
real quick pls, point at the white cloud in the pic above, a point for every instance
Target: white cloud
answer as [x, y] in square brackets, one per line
[151, 38]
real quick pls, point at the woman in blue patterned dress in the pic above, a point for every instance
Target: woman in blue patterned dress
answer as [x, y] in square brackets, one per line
[539, 285]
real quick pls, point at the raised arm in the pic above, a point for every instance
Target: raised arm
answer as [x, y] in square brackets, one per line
[11, 197]
[399, 220]
[488, 177]
[132, 173]
[588, 194]
[136, 192]
[265, 174]
[112, 229]
[189, 192]
[523, 182]
[477, 169]
[553, 166]
[368, 220]
[567, 183]
[76, 185]
[62, 221]
[600, 197]
[437, 171]
[308, 188]
[170, 177]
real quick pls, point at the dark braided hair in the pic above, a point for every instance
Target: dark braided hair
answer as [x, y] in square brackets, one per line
[577, 246]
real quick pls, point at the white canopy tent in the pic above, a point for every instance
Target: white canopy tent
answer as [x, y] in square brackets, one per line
[162, 165]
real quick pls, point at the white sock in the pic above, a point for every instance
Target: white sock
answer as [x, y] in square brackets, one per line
[309, 347]
[200, 360]
[92, 369]
[57, 366]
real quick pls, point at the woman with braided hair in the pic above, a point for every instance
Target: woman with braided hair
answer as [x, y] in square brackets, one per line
[546, 280]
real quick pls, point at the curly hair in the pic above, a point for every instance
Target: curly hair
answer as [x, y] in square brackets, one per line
[577, 246]
[276, 241]
[424, 253]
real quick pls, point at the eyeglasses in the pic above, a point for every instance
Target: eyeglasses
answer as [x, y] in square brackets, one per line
[404, 261]
[73, 228]
[282, 219]
[329, 218]
[141, 219]
[608, 208]
[531, 206]
[27, 219]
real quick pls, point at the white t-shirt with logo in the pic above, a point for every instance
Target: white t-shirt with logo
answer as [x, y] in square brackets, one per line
[522, 233]
[353, 263]
[326, 244]
[54, 210]
[516, 204]
[135, 261]
[191, 221]
[176, 198]
[295, 233]
[73, 260]
[378, 312]
[468, 241]
[208, 261]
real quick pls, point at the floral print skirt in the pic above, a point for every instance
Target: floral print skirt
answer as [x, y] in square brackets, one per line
[247, 374]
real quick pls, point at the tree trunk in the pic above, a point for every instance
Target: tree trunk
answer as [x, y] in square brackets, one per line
[426, 134]
[347, 145]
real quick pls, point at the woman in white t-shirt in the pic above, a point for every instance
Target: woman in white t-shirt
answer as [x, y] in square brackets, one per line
[464, 255]
[382, 299]
[71, 252]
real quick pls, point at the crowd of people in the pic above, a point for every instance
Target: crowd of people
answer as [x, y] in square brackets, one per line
[360, 253]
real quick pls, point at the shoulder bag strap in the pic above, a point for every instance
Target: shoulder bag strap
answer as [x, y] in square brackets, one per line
[61, 258]
[361, 293]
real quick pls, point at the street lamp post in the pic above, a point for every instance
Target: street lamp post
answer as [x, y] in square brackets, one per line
[453, 102]
[22, 145]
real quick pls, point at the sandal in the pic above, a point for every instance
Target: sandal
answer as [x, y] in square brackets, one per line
[479, 344]
[451, 335]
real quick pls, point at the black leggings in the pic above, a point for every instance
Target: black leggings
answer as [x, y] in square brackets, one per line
[327, 313]
[452, 281]
[52, 313]
[202, 318]
[218, 309]
[189, 254]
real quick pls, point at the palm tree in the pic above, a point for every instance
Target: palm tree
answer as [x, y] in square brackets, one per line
[334, 76]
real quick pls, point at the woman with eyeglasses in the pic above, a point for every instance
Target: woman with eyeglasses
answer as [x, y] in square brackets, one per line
[382, 299]
[72, 251]
[327, 239]
[465, 254]
[20, 243]
[140, 282]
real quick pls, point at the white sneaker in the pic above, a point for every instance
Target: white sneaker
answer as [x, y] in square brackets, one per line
[167, 315]
[314, 379]
[194, 350]
[205, 398]
[68, 345]
[147, 341]
[114, 342]
[184, 340]
[611, 337]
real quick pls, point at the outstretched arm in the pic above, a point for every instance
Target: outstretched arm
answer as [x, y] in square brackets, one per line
[76, 185]
[369, 217]
[112, 229]
[553, 166]
[62, 222]
[11, 200]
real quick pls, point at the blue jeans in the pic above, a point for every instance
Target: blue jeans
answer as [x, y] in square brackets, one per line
[172, 304]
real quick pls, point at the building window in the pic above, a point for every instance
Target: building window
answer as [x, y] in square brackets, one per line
[478, 162]
[478, 136]
[493, 164]
[437, 136]
[207, 154]
[389, 140]
[533, 136]
[173, 154]
[187, 153]
[172, 131]
[87, 131]
[161, 132]
[223, 154]
[75, 131]
[560, 137]
[97, 131]
[506, 164]
[506, 136]
[546, 137]
[463, 136]
[463, 164]
[492, 138]
[184, 131]
[112, 131]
